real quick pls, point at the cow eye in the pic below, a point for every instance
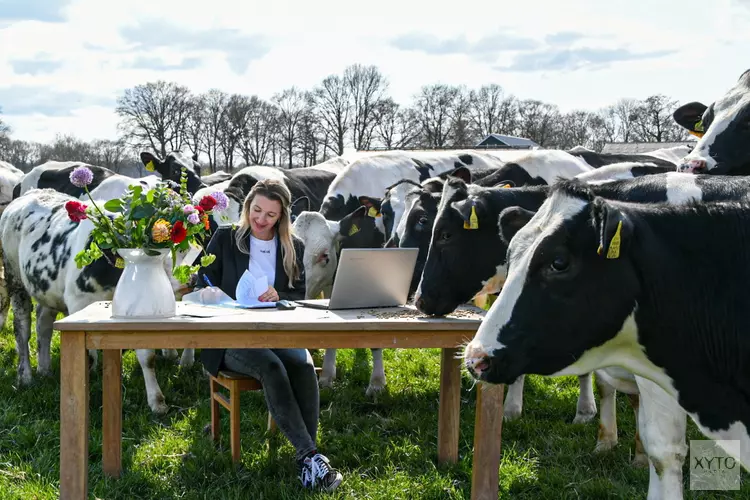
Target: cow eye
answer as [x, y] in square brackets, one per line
[422, 221]
[560, 263]
[445, 236]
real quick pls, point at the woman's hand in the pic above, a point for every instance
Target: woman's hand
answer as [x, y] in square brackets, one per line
[270, 295]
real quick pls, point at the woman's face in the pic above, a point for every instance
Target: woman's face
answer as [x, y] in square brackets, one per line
[264, 213]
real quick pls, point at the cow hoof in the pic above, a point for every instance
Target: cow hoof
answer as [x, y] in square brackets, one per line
[605, 445]
[583, 417]
[159, 407]
[186, 361]
[512, 412]
[325, 382]
[23, 378]
[43, 372]
[374, 389]
[640, 460]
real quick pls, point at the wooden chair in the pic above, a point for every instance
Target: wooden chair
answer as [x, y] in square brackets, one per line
[235, 383]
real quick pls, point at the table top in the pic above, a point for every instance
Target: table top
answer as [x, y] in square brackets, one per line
[97, 317]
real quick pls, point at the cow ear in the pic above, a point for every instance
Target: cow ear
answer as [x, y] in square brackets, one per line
[690, 116]
[511, 220]
[150, 161]
[462, 173]
[352, 223]
[372, 204]
[301, 204]
[470, 210]
[613, 227]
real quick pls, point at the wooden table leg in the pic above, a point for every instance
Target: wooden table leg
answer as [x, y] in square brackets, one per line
[74, 416]
[488, 428]
[112, 412]
[450, 404]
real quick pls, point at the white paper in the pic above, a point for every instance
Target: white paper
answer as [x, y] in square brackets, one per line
[250, 287]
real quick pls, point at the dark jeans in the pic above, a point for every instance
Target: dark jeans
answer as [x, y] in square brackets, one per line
[290, 387]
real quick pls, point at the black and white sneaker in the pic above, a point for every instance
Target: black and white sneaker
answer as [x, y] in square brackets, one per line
[316, 471]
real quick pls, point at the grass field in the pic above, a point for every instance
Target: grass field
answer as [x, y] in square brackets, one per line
[386, 449]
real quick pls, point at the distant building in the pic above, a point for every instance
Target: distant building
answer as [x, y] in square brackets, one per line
[641, 147]
[506, 141]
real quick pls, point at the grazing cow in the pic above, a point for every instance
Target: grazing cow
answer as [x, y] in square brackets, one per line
[723, 129]
[307, 183]
[39, 242]
[597, 160]
[323, 239]
[617, 283]
[217, 177]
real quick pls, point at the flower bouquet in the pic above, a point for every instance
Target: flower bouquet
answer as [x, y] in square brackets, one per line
[142, 227]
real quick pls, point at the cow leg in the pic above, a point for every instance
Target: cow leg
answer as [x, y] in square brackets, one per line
[377, 378]
[328, 374]
[188, 358]
[586, 408]
[662, 424]
[4, 299]
[147, 359]
[607, 437]
[45, 317]
[21, 303]
[513, 405]
[640, 459]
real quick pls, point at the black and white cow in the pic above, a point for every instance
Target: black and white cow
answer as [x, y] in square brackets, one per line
[39, 243]
[304, 183]
[323, 241]
[56, 175]
[10, 176]
[627, 170]
[170, 168]
[597, 160]
[617, 284]
[216, 178]
[723, 129]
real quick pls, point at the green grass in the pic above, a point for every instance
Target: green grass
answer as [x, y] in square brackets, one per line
[386, 448]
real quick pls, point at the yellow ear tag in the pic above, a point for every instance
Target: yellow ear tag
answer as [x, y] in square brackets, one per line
[473, 222]
[696, 134]
[150, 166]
[353, 230]
[614, 245]
[373, 212]
[699, 126]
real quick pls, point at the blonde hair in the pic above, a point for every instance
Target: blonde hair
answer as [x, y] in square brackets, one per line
[273, 190]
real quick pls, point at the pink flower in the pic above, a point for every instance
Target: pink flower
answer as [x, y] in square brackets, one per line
[194, 218]
[188, 209]
[81, 176]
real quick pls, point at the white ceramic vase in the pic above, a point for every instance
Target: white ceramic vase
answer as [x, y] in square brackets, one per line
[144, 290]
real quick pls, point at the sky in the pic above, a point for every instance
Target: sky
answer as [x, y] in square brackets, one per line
[63, 63]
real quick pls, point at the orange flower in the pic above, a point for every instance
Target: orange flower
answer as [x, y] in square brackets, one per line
[160, 231]
[206, 224]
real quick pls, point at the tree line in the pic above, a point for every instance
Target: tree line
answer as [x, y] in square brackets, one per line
[302, 127]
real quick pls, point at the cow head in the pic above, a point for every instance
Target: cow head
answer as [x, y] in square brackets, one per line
[724, 132]
[171, 168]
[466, 255]
[361, 229]
[393, 203]
[570, 287]
[320, 258]
[301, 204]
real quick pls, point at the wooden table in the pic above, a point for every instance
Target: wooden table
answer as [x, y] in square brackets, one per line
[93, 328]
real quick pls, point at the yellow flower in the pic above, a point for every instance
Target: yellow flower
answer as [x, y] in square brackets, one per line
[120, 263]
[160, 231]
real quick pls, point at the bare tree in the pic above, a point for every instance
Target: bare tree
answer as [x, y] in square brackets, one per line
[5, 140]
[538, 121]
[292, 104]
[214, 113]
[433, 106]
[333, 107]
[195, 125]
[109, 154]
[396, 127]
[367, 87]
[23, 154]
[259, 133]
[462, 133]
[154, 114]
[654, 121]
[486, 105]
[68, 148]
[232, 126]
[626, 110]
[577, 129]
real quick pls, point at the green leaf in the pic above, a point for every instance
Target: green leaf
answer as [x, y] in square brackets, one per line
[113, 205]
[207, 260]
[150, 196]
[143, 211]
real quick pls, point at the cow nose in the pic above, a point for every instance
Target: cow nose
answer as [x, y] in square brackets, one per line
[476, 359]
[693, 166]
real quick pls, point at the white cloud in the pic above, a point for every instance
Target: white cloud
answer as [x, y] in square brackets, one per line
[701, 49]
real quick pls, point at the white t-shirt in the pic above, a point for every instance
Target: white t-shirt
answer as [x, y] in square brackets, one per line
[263, 253]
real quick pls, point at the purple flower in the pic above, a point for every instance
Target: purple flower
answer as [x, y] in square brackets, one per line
[188, 209]
[194, 218]
[81, 176]
[222, 202]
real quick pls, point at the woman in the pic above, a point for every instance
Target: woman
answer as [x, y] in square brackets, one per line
[290, 385]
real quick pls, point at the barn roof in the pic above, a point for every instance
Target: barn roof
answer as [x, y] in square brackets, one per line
[641, 147]
[510, 140]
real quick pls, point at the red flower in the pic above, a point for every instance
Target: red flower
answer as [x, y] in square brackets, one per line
[207, 203]
[178, 232]
[199, 209]
[76, 210]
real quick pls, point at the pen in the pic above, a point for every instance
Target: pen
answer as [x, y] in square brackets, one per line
[208, 281]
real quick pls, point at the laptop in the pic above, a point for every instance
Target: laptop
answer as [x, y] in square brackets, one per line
[369, 277]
